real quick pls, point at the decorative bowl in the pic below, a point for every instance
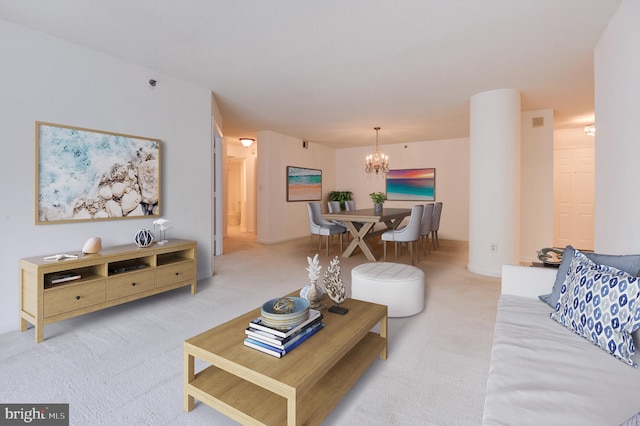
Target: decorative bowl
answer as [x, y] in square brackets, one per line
[551, 255]
[272, 319]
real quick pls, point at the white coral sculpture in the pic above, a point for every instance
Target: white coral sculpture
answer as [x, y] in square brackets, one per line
[333, 282]
[314, 268]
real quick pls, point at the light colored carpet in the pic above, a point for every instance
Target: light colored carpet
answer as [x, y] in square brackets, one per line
[124, 365]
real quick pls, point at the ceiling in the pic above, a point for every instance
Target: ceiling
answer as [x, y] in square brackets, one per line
[329, 71]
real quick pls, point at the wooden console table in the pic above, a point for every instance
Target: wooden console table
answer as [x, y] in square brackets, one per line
[300, 388]
[113, 276]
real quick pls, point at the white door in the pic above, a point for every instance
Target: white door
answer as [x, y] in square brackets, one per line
[574, 195]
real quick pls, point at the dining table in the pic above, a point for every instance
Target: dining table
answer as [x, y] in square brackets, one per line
[360, 224]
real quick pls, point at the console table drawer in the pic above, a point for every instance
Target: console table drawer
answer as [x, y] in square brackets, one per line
[175, 273]
[130, 283]
[72, 297]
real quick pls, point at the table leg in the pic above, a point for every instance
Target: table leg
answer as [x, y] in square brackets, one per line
[359, 240]
[39, 332]
[189, 375]
[383, 333]
[393, 224]
[354, 242]
[293, 411]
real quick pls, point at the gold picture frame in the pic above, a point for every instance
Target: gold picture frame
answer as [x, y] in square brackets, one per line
[85, 175]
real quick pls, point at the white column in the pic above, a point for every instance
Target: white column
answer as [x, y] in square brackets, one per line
[494, 199]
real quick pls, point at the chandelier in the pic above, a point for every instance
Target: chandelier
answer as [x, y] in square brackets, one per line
[377, 162]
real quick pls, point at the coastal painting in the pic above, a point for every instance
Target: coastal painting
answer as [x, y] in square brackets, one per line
[411, 184]
[304, 184]
[84, 175]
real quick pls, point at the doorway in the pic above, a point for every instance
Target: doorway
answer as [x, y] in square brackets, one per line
[236, 196]
[240, 194]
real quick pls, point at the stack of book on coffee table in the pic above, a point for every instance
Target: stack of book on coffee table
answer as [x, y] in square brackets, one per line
[278, 342]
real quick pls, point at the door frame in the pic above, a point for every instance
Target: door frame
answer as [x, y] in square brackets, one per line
[217, 186]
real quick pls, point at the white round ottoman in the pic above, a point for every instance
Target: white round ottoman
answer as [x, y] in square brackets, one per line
[400, 287]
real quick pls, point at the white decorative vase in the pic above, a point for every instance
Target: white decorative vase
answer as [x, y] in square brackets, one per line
[313, 293]
[143, 238]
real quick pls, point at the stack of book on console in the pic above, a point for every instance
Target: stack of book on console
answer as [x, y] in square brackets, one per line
[277, 342]
[63, 277]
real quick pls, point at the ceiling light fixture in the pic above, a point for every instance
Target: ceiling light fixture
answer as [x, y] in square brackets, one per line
[247, 142]
[377, 162]
[590, 129]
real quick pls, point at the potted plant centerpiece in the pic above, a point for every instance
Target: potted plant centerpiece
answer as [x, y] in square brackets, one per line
[378, 199]
[341, 197]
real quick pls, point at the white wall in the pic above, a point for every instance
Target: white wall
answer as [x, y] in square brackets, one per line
[451, 161]
[536, 195]
[279, 220]
[572, 138]
[46, 79]
[617, 67]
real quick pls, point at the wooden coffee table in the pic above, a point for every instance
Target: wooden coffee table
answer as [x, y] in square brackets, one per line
[302, 387]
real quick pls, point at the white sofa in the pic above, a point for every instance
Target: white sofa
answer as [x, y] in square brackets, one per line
[543, 374]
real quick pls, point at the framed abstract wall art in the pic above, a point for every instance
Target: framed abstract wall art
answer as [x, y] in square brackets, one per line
[411, 184]
[84, 175]
[304, 184]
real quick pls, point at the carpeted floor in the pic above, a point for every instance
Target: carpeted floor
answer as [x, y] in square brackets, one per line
[123, 366]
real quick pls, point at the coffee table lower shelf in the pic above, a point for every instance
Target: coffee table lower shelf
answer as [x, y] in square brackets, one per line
[249, 403]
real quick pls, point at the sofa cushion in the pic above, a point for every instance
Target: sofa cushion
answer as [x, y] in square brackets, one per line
[627, 263]
[541, 374]
[598, 302]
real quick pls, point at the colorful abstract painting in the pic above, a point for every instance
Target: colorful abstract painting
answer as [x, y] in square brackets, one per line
[304, 184]
[411, 184]
[84, 174]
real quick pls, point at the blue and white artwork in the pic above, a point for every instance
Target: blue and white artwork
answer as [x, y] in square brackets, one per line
[87, 174]
[412, 184]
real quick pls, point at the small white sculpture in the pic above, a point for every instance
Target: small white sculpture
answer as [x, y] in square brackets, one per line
[312, 292]
[163, 227]
[333, 282]
[93, 245]
[314, 268]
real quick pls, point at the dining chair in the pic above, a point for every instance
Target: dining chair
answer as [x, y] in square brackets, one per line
[425, 226]
[435, 224]
[334, 207]
[350, 205]
[320, 227]
[408, 234]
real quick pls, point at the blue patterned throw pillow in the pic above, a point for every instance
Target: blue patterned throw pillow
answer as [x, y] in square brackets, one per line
[598, 302]
[629, 263]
